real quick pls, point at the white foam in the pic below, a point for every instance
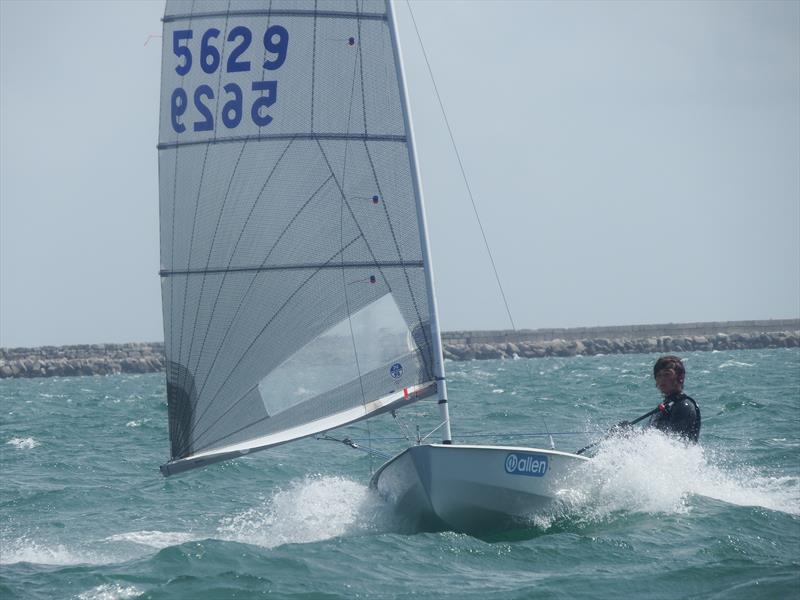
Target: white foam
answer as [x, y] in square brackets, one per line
[154, 539]
[24, 549]
[27, 443]
[733, 363]
[309, 510]
[650, 472]
[110, 591]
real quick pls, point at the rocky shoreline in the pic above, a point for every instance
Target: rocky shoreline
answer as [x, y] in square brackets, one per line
[587, 347]
[106, 359]
[70, 361]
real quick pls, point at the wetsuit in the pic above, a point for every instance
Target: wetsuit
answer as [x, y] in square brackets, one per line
[681, 416]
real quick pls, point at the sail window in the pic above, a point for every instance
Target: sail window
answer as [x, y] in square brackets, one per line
[374, 336]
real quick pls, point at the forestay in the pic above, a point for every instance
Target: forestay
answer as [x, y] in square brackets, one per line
[293, 283]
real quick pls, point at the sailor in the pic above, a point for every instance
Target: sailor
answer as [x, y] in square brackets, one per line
[678, 413]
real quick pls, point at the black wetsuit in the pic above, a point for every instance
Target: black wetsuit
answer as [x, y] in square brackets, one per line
[681, 416]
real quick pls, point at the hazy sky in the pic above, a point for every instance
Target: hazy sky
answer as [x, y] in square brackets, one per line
[632, 162]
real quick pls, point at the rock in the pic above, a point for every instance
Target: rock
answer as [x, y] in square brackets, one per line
[104, 359]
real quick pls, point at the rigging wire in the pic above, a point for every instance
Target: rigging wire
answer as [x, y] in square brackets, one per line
[403, 427]
[354, 445]
[461, 166]
[484, 435]
[469, 193]
[341, 243]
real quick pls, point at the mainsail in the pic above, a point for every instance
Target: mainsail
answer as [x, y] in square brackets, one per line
[294, 287]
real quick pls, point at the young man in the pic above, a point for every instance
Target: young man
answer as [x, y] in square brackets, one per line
[678, 412]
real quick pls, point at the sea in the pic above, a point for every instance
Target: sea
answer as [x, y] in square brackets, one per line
[86, 514]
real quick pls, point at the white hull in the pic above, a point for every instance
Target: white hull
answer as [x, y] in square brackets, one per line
[472, 488]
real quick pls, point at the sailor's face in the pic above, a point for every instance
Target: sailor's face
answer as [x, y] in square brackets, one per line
[667, 382]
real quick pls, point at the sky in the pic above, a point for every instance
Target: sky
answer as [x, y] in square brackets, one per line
[631, 162]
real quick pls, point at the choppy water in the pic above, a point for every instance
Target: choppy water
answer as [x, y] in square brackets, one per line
[84, 512]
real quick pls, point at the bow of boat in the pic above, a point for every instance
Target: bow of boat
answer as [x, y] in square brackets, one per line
[473, 488]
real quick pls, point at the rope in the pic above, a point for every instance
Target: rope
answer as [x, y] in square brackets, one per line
[354, 445]
[403, 427]
[461, 166]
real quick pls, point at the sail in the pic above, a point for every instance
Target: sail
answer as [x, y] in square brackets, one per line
[294, 291]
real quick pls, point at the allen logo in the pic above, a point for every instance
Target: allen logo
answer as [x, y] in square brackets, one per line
[533, 465]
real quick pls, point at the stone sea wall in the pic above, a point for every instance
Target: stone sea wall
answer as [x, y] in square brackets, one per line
[623, 339]
[589, 346]
[94, 359]
[104, 359]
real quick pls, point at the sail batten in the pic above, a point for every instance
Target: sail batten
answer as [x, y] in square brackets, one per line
[294, 286]
[320, 14]
[349, 265]
[371, 137]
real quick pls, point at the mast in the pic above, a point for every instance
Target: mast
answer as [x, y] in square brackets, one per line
[438, 359]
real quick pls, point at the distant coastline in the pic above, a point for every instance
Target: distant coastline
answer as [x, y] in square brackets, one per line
[106, 359]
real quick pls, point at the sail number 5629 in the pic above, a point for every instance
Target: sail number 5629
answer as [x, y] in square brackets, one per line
[265, 93]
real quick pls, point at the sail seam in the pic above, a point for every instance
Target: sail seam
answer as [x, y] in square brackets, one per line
[313, 64]
[298, 267]
[189, 254]
[288, 136]
[207, 271]
[341, 227]
[169, 350]
[325, 14]
[222, 208]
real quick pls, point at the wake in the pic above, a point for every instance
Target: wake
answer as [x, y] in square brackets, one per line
[649, 472]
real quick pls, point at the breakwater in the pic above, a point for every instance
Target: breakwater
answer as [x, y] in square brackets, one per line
[105, 359]
[94, 359]
[622, 339]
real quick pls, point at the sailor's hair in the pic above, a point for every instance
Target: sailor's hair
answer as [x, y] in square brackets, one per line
[670, 362]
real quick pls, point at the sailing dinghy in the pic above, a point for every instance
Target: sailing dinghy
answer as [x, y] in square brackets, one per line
[297, 286]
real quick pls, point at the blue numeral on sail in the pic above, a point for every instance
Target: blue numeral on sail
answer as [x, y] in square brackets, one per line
[234, 64]
[209, 55]
[178, 104]
[278, 46]
[178, 36]
[232, 111]
[208, 124]
[271, 87]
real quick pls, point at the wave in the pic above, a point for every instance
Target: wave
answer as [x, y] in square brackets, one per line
[27, 443]
[733, 363]
[155, 539]
[649, 472]
[110, 591]
[313, 509]
[26, 550]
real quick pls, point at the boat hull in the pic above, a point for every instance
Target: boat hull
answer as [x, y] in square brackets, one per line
[472, 489]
